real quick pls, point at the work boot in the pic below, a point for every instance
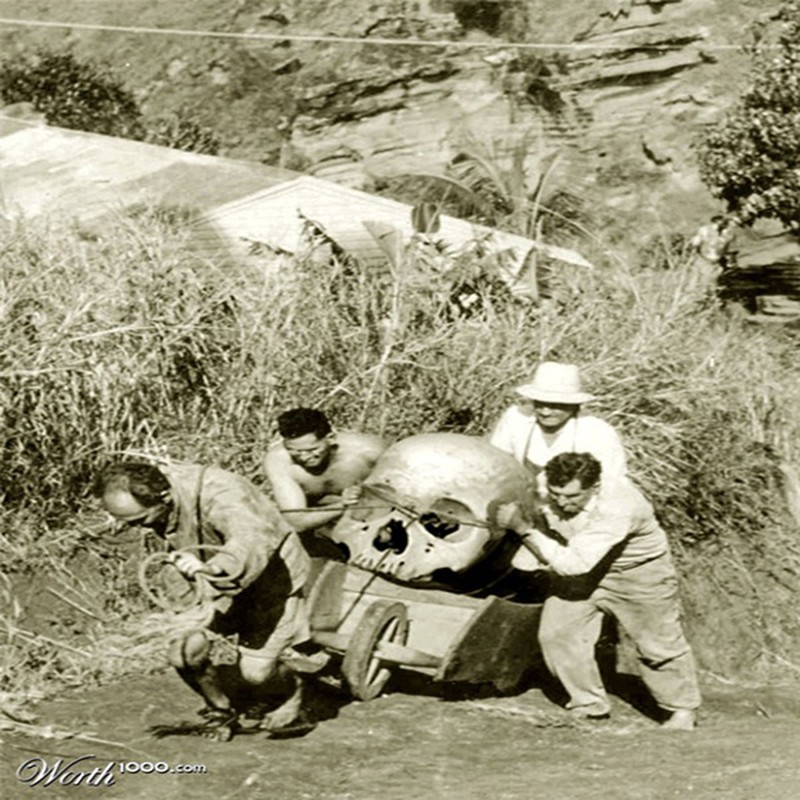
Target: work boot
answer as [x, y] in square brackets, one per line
[684, 719]
[220, 724]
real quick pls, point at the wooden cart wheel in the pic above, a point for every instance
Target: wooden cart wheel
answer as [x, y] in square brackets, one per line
[366, 674]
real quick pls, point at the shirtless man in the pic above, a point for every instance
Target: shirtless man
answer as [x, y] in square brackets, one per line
[314, 471]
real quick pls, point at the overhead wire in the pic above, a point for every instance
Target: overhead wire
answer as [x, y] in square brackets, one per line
[335, 38]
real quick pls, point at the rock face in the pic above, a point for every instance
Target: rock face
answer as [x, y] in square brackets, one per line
[620, 88]
[621, 95]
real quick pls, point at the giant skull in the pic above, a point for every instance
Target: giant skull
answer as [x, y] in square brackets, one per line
[426, 508]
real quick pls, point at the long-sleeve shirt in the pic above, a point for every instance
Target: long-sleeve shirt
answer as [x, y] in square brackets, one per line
[217, 507]
[519, 434]
[618, 518]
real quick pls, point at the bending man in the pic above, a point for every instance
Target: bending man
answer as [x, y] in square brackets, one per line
[607, 554]
[258, 558]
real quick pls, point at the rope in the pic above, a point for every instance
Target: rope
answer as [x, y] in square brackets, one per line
[408, 510]
[196, 590]
[195, 585]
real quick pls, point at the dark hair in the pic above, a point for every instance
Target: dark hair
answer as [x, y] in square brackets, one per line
[145, 482]
[566, 467]
[298, 422]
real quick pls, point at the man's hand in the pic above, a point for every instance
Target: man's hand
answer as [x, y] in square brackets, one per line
[508, 515]
[190, 565]
[351, 495]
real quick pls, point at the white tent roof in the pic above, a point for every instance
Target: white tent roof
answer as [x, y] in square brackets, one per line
[277, 217]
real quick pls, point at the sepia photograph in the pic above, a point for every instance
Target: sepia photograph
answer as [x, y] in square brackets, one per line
[400, 399]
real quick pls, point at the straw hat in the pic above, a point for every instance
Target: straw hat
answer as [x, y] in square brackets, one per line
[555, 383]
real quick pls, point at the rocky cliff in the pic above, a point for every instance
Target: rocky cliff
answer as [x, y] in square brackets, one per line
[619, 88]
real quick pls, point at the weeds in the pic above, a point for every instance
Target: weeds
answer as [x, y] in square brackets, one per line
[131, 343]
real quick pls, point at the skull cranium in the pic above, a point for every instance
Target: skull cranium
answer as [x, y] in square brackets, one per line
[426, 508]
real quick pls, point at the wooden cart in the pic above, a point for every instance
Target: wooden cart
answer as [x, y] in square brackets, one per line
[379, 626]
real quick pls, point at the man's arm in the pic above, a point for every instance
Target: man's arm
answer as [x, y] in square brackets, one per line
[251, 526]
[581, 554]
[290, 496]
[501, 435]
[614, 459]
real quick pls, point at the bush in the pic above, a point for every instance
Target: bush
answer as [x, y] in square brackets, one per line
[85, 96]
[751, 160]
[182, 132]
[134, 345]
[493, 17]
[71, 93]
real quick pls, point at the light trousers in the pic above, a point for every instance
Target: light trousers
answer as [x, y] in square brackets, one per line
[644, 601]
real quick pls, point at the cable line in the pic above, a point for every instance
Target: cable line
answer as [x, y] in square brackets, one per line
[298, 37]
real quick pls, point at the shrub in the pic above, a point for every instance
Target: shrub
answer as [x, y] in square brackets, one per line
[71, 93]
[493, 17]
[132, 344]
[182, 132]
[751, 158]
[78, 94]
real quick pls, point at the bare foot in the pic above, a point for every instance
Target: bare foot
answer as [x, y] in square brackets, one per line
[684, 719]
[589, 713]
[283, 716]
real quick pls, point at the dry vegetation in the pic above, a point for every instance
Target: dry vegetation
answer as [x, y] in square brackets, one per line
[130, 343]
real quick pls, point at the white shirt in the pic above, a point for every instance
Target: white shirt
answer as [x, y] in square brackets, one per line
[618, 519]
[519, 434]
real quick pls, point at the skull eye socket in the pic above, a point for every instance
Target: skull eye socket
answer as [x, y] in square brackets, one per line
[436, 526]
[448, 518]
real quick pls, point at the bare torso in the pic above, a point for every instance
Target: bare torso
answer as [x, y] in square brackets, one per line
[299, 491]
[351, 462]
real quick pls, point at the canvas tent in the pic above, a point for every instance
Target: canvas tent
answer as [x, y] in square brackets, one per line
[238, 207]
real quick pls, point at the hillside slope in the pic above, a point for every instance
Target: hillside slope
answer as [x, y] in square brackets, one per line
[621, 92]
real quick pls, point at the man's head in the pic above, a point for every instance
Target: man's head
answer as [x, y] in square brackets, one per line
[307, 437]
[135, 494]
[556, 394]
[572, 480]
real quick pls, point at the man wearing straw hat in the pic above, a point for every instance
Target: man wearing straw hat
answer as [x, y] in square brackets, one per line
[227, 537]
[547, 420]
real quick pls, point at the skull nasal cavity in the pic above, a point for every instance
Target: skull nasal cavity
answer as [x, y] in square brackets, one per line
[393, 536]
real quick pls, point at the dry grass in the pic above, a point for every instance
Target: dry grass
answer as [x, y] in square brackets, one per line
[128, 343]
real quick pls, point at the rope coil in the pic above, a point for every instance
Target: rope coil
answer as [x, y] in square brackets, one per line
[196, 590]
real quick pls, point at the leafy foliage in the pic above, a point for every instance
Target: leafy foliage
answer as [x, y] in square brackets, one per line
[182, 132]
[71, 93]
[507, 18]
[510, 191]
[82, 95]
[130, 343]
[751, 160]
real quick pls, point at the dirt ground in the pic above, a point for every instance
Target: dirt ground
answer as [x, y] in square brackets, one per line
[417, 742]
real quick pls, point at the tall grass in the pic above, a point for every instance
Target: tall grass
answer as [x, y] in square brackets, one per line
[130, 343]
